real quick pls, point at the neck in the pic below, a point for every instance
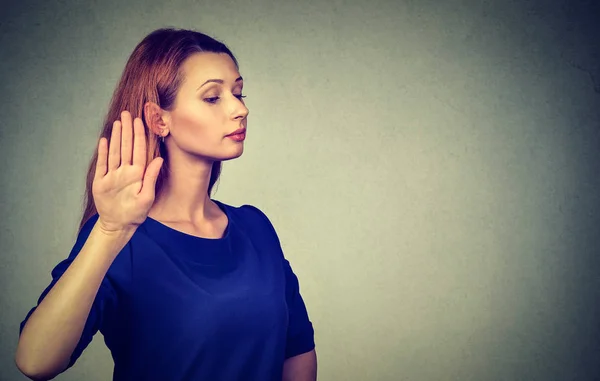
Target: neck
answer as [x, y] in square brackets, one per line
[184, 196]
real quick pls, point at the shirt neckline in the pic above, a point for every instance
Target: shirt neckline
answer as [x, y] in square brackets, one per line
[173, 231]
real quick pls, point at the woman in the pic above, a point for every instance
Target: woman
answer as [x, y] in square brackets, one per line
[182, 287]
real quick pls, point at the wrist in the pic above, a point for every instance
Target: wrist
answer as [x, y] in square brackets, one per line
[114, 232]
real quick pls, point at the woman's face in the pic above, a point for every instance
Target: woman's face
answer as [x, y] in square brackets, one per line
[208, 107]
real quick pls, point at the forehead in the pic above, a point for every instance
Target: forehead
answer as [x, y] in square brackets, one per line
[202, 66]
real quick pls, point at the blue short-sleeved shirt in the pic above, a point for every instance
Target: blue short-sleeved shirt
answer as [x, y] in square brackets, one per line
[173, 306]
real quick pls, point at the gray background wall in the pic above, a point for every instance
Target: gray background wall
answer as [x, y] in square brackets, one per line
[431, 168]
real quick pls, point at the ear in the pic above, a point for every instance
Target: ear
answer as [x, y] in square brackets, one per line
[156, 119]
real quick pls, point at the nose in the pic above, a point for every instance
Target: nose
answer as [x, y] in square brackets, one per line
[240, 111]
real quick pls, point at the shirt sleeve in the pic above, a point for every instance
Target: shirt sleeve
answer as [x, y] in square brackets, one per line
[300, 333]
[104, 303]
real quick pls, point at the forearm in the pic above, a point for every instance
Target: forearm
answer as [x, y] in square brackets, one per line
[54, 328]
[301, 368]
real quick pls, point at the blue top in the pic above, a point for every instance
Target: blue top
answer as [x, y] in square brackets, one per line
[173, 306]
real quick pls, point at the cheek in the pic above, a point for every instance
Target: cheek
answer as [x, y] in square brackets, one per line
[191, 121]
[198, 129]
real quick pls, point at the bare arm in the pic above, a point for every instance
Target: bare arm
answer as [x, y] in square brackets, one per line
[123, 191]
[301, 368]
[55, 327]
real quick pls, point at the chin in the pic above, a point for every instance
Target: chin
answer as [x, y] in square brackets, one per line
[232, 156]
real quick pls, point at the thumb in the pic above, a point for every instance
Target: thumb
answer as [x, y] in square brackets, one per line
[150, 177]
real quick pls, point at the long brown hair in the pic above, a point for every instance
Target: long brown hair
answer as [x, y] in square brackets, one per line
[153, 74]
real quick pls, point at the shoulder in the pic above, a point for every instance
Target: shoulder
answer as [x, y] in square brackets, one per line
[252, 212]
[252, 217]
[245, 212]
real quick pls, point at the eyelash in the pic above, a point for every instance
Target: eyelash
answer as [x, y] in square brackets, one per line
[215, 99]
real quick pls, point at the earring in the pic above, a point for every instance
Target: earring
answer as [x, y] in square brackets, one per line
[162, 138]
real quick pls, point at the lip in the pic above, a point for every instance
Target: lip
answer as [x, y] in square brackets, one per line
[239, 131]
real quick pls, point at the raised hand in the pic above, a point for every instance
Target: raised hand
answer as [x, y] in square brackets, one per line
[123, 186]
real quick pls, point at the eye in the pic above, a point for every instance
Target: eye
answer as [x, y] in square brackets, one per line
[214, 100]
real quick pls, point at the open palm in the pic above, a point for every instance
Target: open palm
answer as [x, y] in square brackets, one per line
[123, 186]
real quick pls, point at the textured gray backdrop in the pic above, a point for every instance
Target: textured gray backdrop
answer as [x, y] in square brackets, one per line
[430, 166]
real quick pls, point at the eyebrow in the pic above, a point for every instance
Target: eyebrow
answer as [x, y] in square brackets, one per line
[218, 81]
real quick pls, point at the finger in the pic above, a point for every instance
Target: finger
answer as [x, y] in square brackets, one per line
[150, 176]
[139, 143]
[102, 159]
[126, 138]
[114, 149]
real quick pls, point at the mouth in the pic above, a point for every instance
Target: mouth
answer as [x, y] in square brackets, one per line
[239, 131]
[238, 135]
